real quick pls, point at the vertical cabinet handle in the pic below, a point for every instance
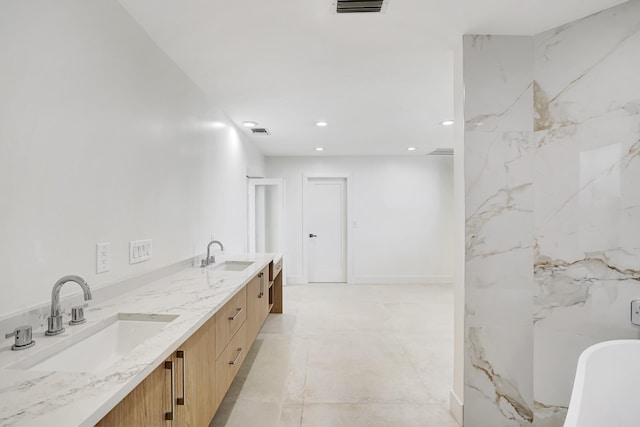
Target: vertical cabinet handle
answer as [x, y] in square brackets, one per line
[261, 275]
[234, 361]
[180, 354]
[169, 415]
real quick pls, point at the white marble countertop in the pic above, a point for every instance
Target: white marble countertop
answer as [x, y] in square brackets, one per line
[37, 398]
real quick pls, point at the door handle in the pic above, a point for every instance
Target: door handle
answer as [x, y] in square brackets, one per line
[313, 235]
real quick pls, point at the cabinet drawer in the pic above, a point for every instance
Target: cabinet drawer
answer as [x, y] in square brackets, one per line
[274, 269]
[229, 362]
[229, 319]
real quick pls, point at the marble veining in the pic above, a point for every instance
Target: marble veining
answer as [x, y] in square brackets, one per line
[573, 61]
[499, 231]
[63, 398]
[489, 119]
[498, 86]
[506, 395]
[587, 134]
[37, 316]
[565, 284]
[549, 415]
[552, 228]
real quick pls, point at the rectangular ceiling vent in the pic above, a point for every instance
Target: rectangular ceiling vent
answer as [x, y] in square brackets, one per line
[260, 131]
[359, 6]
[441, 152]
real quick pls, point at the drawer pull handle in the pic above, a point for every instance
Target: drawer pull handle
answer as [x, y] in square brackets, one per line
[180, 354]
[261, 285]
[234, 361]
[169, 415]
[238, 311]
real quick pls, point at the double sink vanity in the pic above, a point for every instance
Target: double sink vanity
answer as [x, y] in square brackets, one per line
[162, 354]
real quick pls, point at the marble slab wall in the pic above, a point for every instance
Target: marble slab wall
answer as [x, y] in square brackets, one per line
[587, 195]
[499, 231]
[552, 175]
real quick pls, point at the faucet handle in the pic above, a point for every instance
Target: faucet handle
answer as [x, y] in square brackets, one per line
[23, 336]
[77, 314]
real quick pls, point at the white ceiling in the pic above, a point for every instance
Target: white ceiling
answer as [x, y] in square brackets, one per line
[382, 81]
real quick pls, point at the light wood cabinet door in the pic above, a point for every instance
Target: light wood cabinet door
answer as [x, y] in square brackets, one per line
[229, 362]
[229, 319]
[191, 373]
[254, 298]
[257, 303]
[264, 300]
[274, 269]
[195, 365]
[275, 293]
[147, 404]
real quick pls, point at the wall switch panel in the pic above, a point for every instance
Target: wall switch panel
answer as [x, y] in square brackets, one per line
[139, 251]
[635, 312]
[103, 257]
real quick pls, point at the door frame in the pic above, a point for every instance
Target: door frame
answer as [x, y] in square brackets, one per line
[306, 177]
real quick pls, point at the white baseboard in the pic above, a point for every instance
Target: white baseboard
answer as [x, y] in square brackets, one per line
[402, 279]
[381, 280]
[456, 407]
[296, 280]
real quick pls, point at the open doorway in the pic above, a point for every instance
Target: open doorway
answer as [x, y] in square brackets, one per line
[266, 228]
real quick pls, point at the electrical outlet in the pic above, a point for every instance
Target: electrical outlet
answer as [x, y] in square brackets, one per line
[103, 257]
[139, 251]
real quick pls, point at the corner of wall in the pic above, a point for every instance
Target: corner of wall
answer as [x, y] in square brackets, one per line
[456, 408]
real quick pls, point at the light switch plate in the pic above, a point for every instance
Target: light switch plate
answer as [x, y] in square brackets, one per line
[103, 257]
[139, 251]
[635, 312]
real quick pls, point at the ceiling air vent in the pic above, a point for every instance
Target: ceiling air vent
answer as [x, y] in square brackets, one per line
[441, 152]
[359, 6]
[260, 131]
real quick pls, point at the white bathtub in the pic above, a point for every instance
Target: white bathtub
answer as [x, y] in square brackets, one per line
[606, 391]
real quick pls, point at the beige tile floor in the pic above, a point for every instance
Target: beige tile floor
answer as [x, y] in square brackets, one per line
[349, 355]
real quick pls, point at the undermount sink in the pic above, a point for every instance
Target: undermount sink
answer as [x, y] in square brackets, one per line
[99, 346]
[231, 265]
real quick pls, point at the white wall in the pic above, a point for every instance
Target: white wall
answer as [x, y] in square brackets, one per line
[402, 213]
[104, 139]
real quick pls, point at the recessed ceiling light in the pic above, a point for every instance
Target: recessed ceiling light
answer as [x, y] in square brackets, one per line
[321, 124]
[250, 124]
[411, 148]
[446, 122]
[216, 125]
[319, 149]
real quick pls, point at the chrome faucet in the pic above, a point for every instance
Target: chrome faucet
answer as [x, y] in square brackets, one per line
[55, 321]
[211, 259]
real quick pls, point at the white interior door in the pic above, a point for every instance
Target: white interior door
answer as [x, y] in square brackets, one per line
[326, 213]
